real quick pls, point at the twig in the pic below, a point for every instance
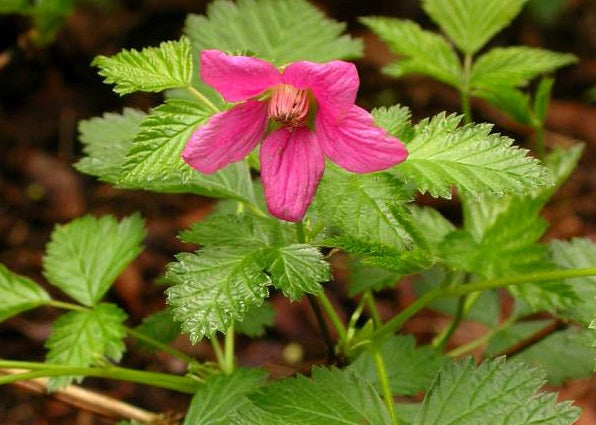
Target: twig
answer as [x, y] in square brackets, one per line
[555, 326]
[88, 400]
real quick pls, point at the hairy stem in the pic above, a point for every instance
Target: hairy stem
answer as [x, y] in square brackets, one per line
[372, 309]
[218, 351]
[539, 144]
[229, 363]
[441, 341]
[384, 383]
[333, 316]
[43, 370]
[397, 322]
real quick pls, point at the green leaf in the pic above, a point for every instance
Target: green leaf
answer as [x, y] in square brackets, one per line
[578, 254]
[396, 120]
[297, 269]
[542, 98]
[410, 370]
[330, 397]
[14, 6]
[503, 391]
[153, 69]
[423, 52]
[255, 321]
[106, 140]
[515, 66]
[280, 31]
[471, 23]
[84, 338]
[153, 161]
[564, 355]
[223, 395]
[242, 231]
[359, 204]
[369, 278]
[85, 256]
[469, 157]
[512, 101]
[431, 224]
[159, 326]
[215, 288]
[18, 294]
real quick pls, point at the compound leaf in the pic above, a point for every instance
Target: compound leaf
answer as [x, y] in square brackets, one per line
[106, 141]
[297, 269]
[280, 31]
[215, 287]
[503, 391]
[153, 161]
[18, 294]
[471, 23]
[222, 395]
[443, 155]
[423, 52]
[85, 256]
[330, 397]
[515, 66]
[84, 338]
[360, 205]
[153, 69]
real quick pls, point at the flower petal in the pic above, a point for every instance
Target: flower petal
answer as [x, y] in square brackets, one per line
[228, 137]
[237, 77]
[334, 84]
[292, 165]
[357, 143]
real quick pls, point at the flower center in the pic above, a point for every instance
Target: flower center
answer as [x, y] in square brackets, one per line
[289, 105]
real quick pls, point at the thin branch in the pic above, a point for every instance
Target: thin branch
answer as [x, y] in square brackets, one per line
[555, 326]
[88, 400]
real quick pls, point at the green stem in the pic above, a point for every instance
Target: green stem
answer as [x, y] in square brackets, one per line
[518, 280]
[132, 332]
[472, 345]
[219, 354]
[372, 309]
[465, 89]
[300, 236]
[229, 363]
[539, 144]
[66, 306]
[443, 338]
[333, 316]
[397, 322]
[203, 99]
[42, 370]
[394, 324]
[384, 383]
[161, 346]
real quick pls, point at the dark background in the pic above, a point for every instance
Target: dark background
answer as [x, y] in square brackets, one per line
[44, 92]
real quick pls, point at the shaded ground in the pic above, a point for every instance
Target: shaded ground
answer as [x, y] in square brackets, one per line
[43, 93]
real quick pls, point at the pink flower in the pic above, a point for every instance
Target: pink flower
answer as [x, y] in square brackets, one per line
[302, 96]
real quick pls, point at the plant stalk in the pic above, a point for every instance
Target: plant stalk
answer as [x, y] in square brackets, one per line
[229, 363]
[397, 322]
[384, 383]
[203, 99]
[43, 370]
[465, 89]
